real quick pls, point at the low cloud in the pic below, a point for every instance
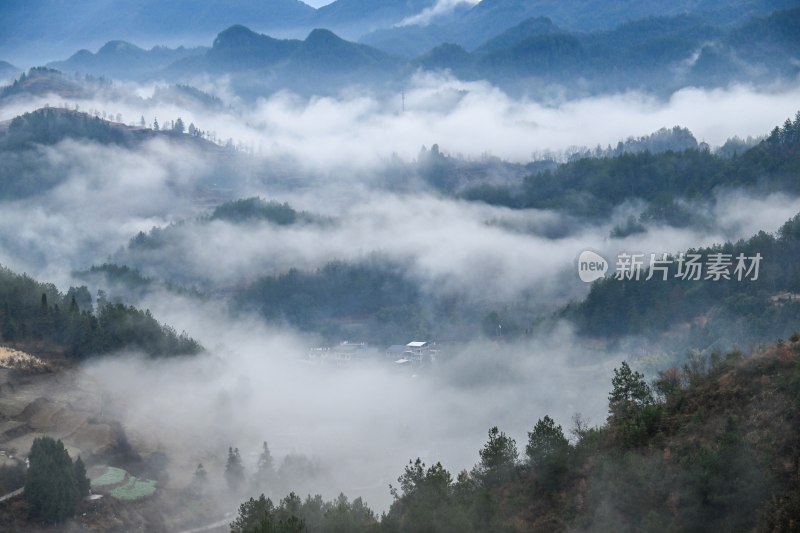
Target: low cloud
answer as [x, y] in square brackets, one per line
[357, 132]
[361, 423]
[441, 7]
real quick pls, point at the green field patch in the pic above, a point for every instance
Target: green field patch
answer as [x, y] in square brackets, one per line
[112, 476]
[134, 489]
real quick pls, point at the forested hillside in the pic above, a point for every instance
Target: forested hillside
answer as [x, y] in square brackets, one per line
[373, 299]
[394, 225]
[725, 310]
[711, 446]
[593, 186]
[25, 171]
[40, 319]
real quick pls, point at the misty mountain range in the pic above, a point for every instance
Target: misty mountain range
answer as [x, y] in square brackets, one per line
[376, 297]
[258, 247]
[653, 54]
[54, 25]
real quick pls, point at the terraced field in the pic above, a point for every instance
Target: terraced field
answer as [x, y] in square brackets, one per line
[119, 484]
[112, 476]
[134, 489]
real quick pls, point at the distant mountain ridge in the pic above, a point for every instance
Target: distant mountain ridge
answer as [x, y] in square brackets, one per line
[7, 70]
[50, 25]
[655, 54]
[353, 18]
[35, 31]
[123, 60]
[264, 64]
[488, 18]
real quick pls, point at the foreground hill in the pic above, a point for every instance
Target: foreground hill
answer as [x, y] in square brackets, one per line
[712, 446]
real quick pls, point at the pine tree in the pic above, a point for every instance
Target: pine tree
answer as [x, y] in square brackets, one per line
[498, 459]
[199, 480]
[629, 389]
[634, 413]
[545, 441]
[234, 471]
[200, 474]
[265, 474]
[80, 475]
[51, 486]
[9, 332]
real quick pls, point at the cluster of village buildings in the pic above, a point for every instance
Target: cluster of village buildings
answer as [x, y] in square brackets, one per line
[412, 354]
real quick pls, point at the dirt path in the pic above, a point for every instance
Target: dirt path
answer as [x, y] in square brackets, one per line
[222, 523]
[11, 495]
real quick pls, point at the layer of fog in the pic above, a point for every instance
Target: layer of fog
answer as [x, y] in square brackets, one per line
[359, 131]
[363, 423]
[450, 246]
[340, 148]
[109, 194]
[359, 424]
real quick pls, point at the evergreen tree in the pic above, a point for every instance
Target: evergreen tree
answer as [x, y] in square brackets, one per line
[629, 389]
[265, 474]
[199, 480]
[498, 459]
[200, 475]
[51, 488]
[234, 471]
[546, 441]
[260, 516]
[634, 413]
[548, 453]
[265, 461]
[84, 484]
[9, 332]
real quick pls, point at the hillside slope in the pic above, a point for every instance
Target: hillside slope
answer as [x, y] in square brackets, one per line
[712, 446]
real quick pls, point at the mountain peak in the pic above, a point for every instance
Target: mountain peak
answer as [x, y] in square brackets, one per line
[115, 47]
[235, 33]
[323, 36]
[241, 47]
